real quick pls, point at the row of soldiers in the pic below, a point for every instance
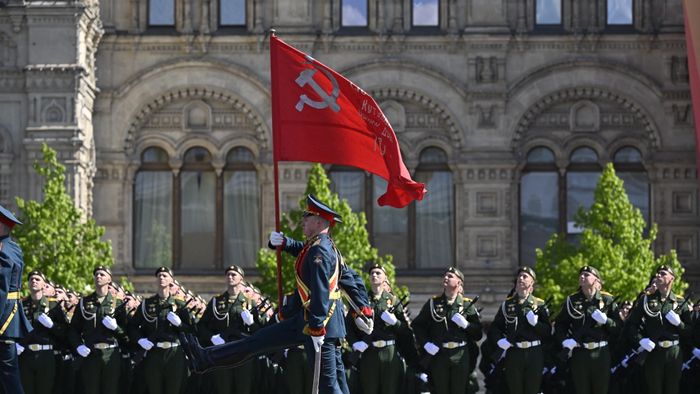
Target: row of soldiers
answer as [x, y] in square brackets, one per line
[112, 341]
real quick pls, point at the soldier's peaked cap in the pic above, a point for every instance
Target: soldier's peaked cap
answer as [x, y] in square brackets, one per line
[591, 270]
[7, 218]
[455, 271]
[102, 268]
[317, 208]
[527, 270]
[666, 268]
[236, 269]
[375, 266]
[166, 270]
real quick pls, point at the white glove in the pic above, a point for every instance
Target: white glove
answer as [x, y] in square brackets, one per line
[19, 348]
[569, 343]
[389, 318]
[504, 344]
[318, 341]
[360, 346]
[174, 319]
[276, 239]
[364, 325]
[647, 344]
[45, 320]
[696, 353]
[423, 377]
[247, 317]
[145, 343]
[673, 318]
[599, 316]
[83, 351]
[431, 348]
[217, 340]
[459, 320]
[110, 323]
[532, 318]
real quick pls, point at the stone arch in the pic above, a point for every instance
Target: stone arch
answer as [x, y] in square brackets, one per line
[195, 93]
[585, 93]
[155, 141]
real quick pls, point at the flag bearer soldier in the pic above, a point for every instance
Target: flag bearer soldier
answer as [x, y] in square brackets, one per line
[37, 363]
[13, 322]
[443, 327]
[228, 318]
[658, 322]
[585, 330]
[379, 365]
[155, 328]
[520, 329]
[97, 328]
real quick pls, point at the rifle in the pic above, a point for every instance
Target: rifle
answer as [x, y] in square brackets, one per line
[642, 356]
[425, 360]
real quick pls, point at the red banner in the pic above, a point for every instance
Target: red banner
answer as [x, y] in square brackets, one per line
[692, 36]
[320, 116]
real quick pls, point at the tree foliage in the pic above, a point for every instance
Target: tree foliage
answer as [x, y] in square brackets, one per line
[613, 241]
[351, 238]
[55, 238]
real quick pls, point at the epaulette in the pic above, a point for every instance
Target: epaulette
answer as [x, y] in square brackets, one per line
[51, 299]
[538, 299]
[437, 297]
[509, 298]
[605, 293]
[180, 298]
[467, 299]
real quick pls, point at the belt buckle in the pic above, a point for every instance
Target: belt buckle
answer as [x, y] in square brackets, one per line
[524, 344]
[379, 343]
[166, 345]
[34, 347]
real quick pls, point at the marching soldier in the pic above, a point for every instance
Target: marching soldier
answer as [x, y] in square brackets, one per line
[658, 322]
[380, 365]
[37, 363]
[443, 327]
[155, 328]
[97, 328]
[65, 367]
[585, 330]
[13, 322]
[519, 329]
[228, 318]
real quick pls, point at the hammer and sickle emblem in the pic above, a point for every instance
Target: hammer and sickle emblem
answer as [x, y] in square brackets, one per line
[327, 100]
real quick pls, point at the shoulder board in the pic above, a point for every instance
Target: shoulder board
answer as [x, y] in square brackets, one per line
[51, 299]
[605, 293]
[437, 297]
[467, 299]
[539, 300]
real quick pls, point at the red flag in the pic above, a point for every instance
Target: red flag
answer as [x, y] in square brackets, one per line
[692, 43]
[320, 116]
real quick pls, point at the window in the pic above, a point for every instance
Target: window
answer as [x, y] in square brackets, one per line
[153, 211]
[548, 12]
[354, 13]
[418, 236]
[425, 12]
[549, 199]
[196, 220]
[232, 13]
[161, 13]
[620, 12]
[539, 203]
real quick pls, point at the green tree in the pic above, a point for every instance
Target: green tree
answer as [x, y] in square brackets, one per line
[54, 237]
[351, 238]
[613, 241]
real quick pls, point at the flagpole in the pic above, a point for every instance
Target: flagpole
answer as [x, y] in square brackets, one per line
[275, 157]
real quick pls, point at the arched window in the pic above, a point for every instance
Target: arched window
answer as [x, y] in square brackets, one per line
[198, 210]
[539, 202]
[550, 198]
[241, 213]
[420, 235]
[153, 211]
[196, 219]
[434, 216]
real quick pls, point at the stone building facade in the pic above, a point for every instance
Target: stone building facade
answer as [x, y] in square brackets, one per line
[497, 97]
